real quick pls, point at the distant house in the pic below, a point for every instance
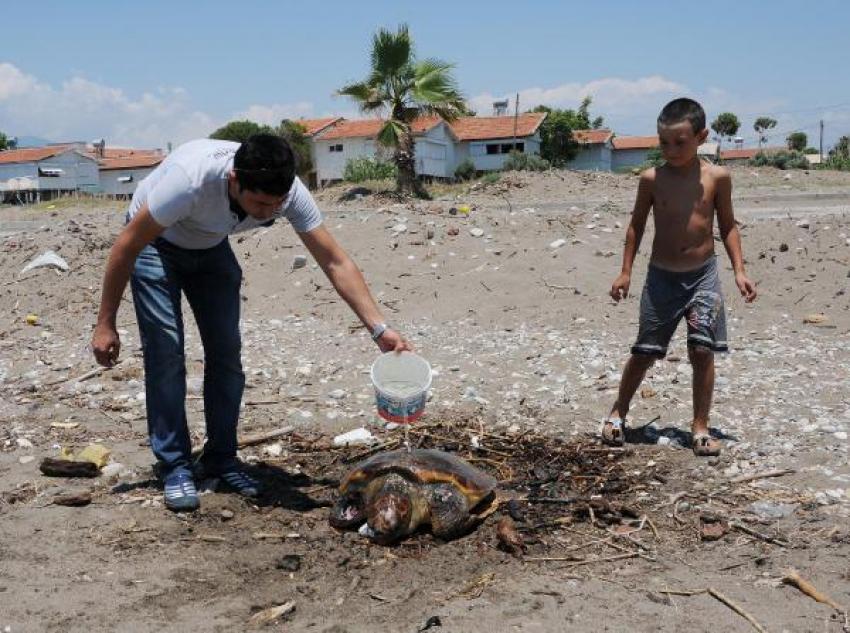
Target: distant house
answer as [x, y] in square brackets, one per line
[439, 146]
[596, 150]
[709, 151]
[312, 127]
[489, 140]
[631, 151]
[43, 173]
[744, 155]
[122, 169]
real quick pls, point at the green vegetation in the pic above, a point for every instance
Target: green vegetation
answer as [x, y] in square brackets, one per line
[6, 142]
[294, 133]
[839, 156]
[761, 126]
[491, 177]
[518, 161]
[557, 144]
[239, 131]
[726, 125]
[365, 168]
[783, 159]
[406, 88]
[465, 170]
[797, 141]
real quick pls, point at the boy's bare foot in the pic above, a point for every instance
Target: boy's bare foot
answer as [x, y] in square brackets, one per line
[614, 432]
[704, 445]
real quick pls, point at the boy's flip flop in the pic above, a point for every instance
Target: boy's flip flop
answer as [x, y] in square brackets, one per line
[614, 432]
[704, 445]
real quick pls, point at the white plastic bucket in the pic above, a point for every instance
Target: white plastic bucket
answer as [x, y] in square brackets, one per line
[401, 383]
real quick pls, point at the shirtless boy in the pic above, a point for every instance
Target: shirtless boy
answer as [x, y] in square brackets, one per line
[682, 280]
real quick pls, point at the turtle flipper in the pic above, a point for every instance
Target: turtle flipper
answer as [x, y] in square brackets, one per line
[450, 515]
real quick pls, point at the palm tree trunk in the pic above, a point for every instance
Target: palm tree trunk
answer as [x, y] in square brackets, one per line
[405, 160]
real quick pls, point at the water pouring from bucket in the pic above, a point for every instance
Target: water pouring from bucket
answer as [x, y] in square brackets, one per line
[401, 383]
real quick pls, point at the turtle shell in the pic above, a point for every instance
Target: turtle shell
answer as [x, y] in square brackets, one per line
[425, 466]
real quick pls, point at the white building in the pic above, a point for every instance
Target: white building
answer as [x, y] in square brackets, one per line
[489, 140]
[630, 152]
[439, 146]
[121, 170]
[596, 150]
[43, 173]
[312, 127]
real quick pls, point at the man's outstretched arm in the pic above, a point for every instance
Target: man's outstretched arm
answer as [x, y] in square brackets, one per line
[349, 283]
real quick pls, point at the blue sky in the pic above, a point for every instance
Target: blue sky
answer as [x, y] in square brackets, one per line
[144, 73]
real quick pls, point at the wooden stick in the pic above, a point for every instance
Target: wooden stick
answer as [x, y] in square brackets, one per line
[591, 561]
[793, 578]
[758, 535]
[779, 472]
[736, 608]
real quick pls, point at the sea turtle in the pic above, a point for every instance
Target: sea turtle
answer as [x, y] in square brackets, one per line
[398, 491]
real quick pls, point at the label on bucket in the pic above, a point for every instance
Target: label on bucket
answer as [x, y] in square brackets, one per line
[400, 410]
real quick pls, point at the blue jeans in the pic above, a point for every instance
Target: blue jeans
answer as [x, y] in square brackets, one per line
[210, 278]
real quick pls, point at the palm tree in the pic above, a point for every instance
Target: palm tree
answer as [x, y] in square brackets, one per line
[403, 88]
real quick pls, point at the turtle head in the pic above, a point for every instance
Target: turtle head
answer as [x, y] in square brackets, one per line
[347, 512]
[389, 516]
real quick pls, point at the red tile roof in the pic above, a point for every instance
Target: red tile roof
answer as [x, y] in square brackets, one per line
[30, 154]
[138, 161]
[747, 152]
[593, 137]
[482, 128]
[635, 142]
[469, 128]
[314, 126]
[362, 128]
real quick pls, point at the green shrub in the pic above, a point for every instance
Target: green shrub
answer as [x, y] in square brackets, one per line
[491, 177]
[518, 161]
[783, 159]
[365, 168]
[465, 170]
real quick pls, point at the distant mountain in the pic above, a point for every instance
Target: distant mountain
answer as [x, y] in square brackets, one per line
[32, 141]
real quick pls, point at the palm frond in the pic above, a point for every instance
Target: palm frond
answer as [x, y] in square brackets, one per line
[434, 85]
[390, 135]
[391, 51]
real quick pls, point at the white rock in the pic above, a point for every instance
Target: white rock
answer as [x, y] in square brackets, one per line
[23, 442]
[476, 232]
[557, 243]
[354, 437]
[840, 435]
[299, 261]
[399, 228]
[273, 450]
[112, 469]
[337, 394]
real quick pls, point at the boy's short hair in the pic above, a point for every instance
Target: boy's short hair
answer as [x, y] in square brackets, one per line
[683, 109]
[265, 163]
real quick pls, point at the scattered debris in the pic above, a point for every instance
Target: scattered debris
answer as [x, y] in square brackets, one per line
[510, 539]
[68, 468]
[355, 437]
[73, 499]
[48, 259]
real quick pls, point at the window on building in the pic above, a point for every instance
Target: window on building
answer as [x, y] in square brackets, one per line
[49, 172]
[492, 148]
[336, 148]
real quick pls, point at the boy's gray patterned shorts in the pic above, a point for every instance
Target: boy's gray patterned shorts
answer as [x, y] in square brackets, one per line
[668, 296]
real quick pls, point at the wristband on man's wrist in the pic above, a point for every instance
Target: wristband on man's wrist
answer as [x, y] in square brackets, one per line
[378, 331]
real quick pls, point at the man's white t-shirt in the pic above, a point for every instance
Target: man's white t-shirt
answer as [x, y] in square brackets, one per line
[187, 194]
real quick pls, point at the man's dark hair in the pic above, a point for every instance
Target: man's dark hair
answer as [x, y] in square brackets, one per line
[683, 109]
[265, 163]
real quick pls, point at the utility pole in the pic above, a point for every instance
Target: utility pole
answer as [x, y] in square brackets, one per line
[821, 140]
[516, 118]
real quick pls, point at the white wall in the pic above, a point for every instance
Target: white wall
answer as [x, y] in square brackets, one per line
[109, 180]
[593, 158]
[18, 176]
[435, 152]
[477, 151]
[622, 159]
[78, 172]
[331, 165]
